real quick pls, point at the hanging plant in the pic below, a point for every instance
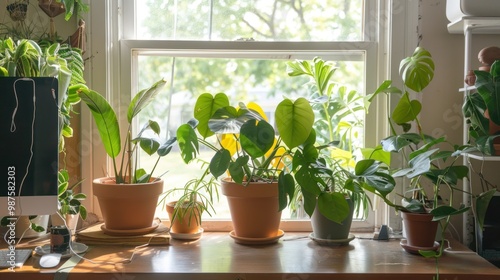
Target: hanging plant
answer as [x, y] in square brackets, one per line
[17, 10]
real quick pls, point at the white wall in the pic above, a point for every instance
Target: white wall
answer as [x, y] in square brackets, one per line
[441, 113]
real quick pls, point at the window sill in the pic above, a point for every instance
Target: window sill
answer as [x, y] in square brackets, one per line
[295, 256]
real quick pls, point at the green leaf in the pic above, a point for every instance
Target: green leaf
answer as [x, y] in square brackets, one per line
[397, 142]
[417, 165]
[236, 169]
[428, 254]
[333, 206]
[62, 188]
[406, 110]
[37, 228]
[80, 196]
[294, 121]
[481, 205]
[144, 98]
[105, 119]
[256, 137]
[309, 202]
[206, 105]
[386, 87]
[166, 147]
[377, 154]
[5, 221]
[488, 86]
[286, 187]
[3, 72]
[230, 120]
[188, 142]
[444, 211]
[141, 176]
[375, 180]
[220, 162]
[149, 146]
[305, 177]
[417, 70]
[83, 212]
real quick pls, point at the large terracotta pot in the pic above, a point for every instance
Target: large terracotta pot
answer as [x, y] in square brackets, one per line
[254, 208]
[420, 230]
[190, 222]
[127, 206]
[324, 228]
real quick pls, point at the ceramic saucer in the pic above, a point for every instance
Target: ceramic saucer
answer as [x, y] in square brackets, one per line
[129, 232]
[77, 248]
[415, 249]
[256, 241]
[332, 242]
[187, 236]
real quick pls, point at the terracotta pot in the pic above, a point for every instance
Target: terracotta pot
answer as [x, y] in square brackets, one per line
[254, 208]
[190, 222]
[493, 129]
[127, 206]
[420, 229]
[324, 228]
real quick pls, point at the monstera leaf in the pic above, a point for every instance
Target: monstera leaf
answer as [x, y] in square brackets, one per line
[417, 70]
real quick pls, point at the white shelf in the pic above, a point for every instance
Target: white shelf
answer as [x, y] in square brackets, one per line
[481, 157]
[478, 25]
[467, 89]
[468, 26]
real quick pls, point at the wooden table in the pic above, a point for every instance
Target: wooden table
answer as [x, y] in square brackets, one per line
[217, 256]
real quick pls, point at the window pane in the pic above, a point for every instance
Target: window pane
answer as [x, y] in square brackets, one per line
[261, 20]
[264, 81]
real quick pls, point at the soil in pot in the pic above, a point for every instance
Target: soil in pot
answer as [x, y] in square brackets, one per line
[186, 220]
[127, 206]
[254, 208]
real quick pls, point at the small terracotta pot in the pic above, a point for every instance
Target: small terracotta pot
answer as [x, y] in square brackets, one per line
[127, 206]
[420, 229]
[254, 208]
[190, 222]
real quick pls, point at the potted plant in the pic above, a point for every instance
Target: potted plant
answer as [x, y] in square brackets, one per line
[429, 169]
[18, 9]
[70, 203]
[482, 111]
[321, 171]
[248, 149]
[129, 196]
[185, 212]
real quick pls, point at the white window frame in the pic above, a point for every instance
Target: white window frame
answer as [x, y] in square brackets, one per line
[111, 52]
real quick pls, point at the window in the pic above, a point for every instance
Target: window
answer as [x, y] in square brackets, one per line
[232, 46]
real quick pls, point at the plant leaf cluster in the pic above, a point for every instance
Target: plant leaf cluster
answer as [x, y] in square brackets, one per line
[126, 170]
[483, 107]
[246, 146]
[69, 201]
[426, 162]
[321, 166]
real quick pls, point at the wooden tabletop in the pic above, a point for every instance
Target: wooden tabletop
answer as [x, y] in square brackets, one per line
[295, 256]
